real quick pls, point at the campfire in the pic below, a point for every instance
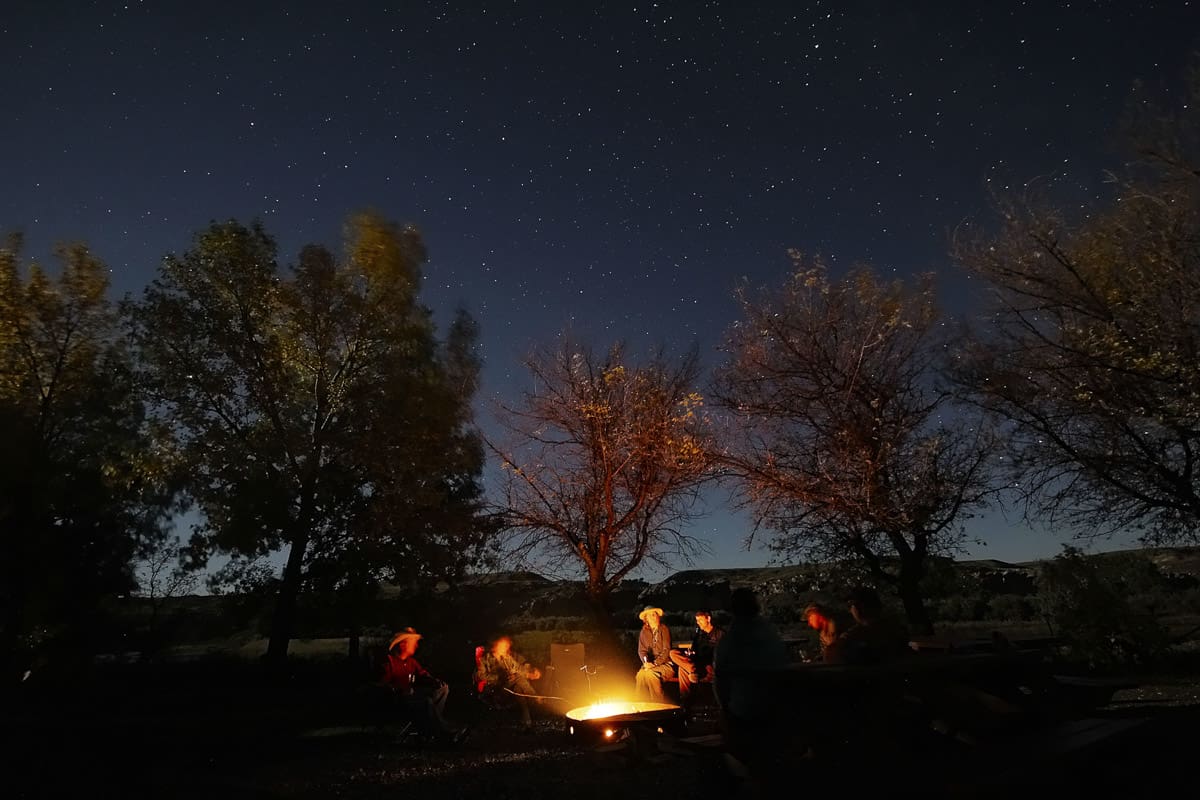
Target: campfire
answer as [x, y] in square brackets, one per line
[608, 719]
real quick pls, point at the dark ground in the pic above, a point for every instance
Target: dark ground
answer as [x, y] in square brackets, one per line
[206, 732]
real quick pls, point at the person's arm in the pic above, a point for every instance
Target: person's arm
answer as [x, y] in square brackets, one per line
[530, 672]
[643, 645]
[664, 654]
[423, 675]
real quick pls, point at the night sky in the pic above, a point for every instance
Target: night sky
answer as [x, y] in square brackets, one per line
[613, 167]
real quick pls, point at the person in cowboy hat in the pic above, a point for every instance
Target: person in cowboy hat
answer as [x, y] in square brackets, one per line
[418, 692]
[654, 651]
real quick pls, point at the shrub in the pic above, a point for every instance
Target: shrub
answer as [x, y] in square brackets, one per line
[1011, 608]
[960, 608]
[1085, 600]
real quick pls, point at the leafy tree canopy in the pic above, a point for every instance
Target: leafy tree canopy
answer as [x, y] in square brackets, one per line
[318, 412]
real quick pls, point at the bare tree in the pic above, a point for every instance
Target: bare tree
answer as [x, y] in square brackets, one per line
[161, 576]
[602, 465]
[840, 440]
[1092, 348]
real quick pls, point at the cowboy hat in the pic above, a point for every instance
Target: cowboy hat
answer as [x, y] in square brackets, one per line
[402, 635]
[647, 610]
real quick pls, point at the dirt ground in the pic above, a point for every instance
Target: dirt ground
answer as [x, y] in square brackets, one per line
[221, 740]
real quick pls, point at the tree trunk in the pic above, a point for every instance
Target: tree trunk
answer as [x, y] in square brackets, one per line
[607, 647]
[909, 588]
[285, 604]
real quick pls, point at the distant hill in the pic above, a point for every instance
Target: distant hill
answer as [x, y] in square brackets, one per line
[479, 605]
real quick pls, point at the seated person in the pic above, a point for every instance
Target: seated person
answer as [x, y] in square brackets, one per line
[695, 664]
[422, 696]
[502, 669]
[821, 619]
[872, 638]
[654, 651]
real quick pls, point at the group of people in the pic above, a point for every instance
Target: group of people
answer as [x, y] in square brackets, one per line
[753, 643]
[714, 655]
[660, 661]
[422, 697]
[869, 639]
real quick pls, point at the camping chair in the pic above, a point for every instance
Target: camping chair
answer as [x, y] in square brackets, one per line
[378, 713]
[569, 672]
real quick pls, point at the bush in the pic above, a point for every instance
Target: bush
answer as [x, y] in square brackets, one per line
[960, 608]
[1085, 600]
[1011, 608]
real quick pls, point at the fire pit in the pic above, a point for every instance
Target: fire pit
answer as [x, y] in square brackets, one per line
[607, 721]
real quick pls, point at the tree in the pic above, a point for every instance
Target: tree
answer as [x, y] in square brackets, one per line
[603, 465]
[84, 482]
[318, 413]
[1091, 349]
[840, 440]
[161, 576]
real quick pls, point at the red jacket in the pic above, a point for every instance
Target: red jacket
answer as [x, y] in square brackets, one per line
[403, 674]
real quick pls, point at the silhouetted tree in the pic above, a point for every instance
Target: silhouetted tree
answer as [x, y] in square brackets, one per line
[162, 576]
[83, 483]
[317, 410]
[602, 464]
[1091, 350]
[840, 440]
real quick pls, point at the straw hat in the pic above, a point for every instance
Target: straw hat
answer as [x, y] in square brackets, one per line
[407, 633]
[647, 610]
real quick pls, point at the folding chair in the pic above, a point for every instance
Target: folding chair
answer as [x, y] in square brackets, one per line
[569, 671]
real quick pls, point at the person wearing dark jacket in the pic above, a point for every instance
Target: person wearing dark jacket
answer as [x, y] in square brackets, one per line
[744, 659]
[695, 664]
[418, 692]
[872, 638]
[654, 651]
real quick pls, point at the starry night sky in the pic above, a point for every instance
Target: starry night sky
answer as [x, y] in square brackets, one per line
[613, 167]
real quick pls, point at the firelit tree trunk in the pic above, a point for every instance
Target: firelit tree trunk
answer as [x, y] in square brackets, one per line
[607, 646]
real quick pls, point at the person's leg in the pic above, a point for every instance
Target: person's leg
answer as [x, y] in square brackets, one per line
[435, 702]
[681, 661]
[686, 679]
[655, 681]
[420, 709]
[438, 697]
[522, 687]
[641, 689]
